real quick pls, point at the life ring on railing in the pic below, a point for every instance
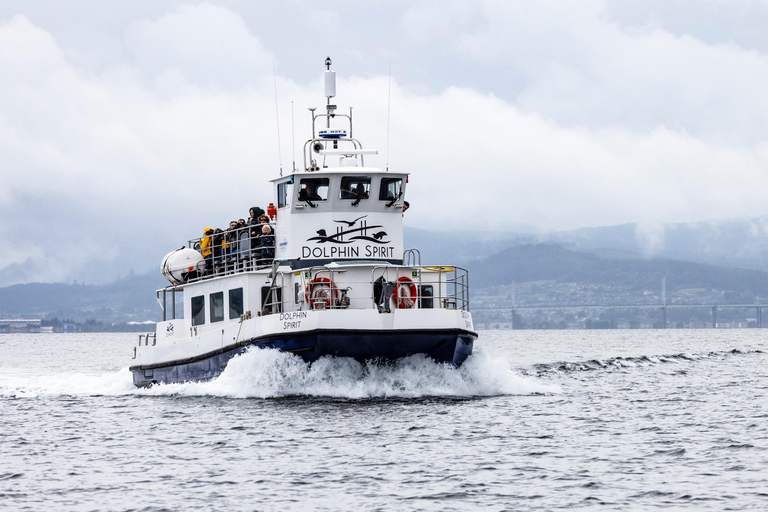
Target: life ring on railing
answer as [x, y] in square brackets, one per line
[404, 293]
[321, 293]
[439, 269]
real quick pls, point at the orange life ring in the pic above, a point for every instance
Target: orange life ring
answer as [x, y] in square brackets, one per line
[404, 293]
[321, 293]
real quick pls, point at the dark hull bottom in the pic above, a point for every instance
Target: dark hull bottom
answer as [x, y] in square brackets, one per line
[444, 347]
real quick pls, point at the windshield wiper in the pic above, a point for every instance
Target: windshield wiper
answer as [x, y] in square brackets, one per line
[360, 197]
[395, 199]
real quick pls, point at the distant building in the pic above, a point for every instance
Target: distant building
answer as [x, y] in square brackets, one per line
[19, 325]
[67, 328]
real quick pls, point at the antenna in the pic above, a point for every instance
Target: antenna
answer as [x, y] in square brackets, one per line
[277, 119]
[389, 102]
[330, 90]
[293, 139]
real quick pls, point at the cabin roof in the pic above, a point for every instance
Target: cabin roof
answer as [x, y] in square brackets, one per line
[346, 171]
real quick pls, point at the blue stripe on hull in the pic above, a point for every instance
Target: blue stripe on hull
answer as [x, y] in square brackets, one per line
[447, 347]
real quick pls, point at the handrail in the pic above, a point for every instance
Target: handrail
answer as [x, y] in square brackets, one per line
[228, 257]
[311, 144]
[412, 257]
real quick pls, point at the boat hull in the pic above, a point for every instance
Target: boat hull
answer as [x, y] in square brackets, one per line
[444, 346]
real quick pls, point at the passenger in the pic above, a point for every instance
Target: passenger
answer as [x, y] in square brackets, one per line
[219, 247]
[243, 244]
[267, 245]
[255, 234]
[360, 192]
[308, 192]
[406, 205]
[255, 212]
[205, 248]
[231, 243]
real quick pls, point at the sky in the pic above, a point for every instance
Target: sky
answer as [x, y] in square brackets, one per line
[128, 127]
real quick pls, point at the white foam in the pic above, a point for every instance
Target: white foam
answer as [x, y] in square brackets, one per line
[114, 383]
[271, 373]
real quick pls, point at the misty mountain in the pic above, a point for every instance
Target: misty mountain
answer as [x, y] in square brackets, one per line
[129, 299]
[739, 243]
[541, 262]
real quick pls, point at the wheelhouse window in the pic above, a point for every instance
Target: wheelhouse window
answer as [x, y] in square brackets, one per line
[284, 194]
[355, 188]
[198, 310]
[313, 189]
[217, 307]
[235, 303]
[391, 189]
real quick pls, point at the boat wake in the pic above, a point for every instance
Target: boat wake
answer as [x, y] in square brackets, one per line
[264, 373]
[620, 363]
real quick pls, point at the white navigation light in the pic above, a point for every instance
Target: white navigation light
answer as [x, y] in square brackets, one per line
[330, 84]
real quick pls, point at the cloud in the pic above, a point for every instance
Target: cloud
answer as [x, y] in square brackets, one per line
[107, 168]
[208, 45]
[574, 64]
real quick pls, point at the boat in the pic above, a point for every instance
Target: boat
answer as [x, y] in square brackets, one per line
[330, 277]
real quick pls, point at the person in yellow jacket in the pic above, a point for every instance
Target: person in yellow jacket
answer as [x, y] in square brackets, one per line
[205, 246]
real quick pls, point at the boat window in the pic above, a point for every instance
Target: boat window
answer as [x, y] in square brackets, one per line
[235, 303]
[296, 291]
[313, 189]
[355, 188]
[217, 307]
[425, 296]
[284, 191]
[198, 310]
[391, 189]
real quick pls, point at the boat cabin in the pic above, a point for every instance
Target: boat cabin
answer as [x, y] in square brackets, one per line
[340, 214]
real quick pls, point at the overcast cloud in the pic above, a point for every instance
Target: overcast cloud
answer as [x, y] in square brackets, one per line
[127, 128]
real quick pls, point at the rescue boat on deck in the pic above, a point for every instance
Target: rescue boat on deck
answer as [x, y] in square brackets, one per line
[336, 281]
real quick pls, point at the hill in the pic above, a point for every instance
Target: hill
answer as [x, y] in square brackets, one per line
[129, 299]
[539, 262]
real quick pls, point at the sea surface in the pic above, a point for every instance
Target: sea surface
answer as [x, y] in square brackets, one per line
[534, 420]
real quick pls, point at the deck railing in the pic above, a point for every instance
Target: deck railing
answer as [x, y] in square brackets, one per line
[234, 250]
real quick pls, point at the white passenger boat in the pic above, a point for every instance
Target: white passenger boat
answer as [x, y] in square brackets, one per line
[336, 281]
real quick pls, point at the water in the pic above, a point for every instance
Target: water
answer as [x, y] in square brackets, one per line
[535, 420]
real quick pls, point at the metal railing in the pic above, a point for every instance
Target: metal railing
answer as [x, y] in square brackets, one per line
[146, 337]
[449, 291]
[234, 251]
[408, 287]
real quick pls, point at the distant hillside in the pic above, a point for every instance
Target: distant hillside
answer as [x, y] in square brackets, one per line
[524, 263]
[133, 298]
[130, 299]
[739, 243]
[457, 247]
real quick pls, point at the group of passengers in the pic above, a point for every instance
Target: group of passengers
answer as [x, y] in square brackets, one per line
[244, 245]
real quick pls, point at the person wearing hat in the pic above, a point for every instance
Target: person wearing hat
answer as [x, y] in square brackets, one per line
[255, 212]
